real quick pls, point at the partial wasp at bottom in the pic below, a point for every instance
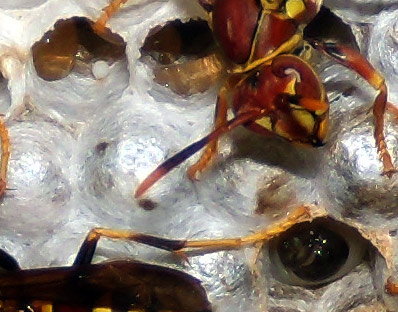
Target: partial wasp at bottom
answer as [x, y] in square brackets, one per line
[309, 251]
[120, 285]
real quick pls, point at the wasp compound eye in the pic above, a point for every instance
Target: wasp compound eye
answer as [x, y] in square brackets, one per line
[316, 253]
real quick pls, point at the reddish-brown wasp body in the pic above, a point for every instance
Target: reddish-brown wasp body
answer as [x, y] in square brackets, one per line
[123, 285]
[248, 30]
[273, 90]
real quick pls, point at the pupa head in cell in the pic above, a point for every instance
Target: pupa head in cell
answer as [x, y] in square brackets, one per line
[312, 254]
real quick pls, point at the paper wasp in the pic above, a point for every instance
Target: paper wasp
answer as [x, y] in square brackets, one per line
[274, 92]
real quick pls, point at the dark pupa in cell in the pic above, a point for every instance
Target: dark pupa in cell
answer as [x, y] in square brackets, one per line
[185, 56]
[316, 253]
[177, 40]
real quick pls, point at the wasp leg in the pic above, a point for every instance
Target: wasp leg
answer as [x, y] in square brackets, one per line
[5, 155]
[187, 152]
[299, 215]
[87, 249]
[352, 59]
[111, 9]
[211, 148]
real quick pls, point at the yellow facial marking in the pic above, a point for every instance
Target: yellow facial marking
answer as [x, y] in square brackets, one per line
[291, 87]
[265, 122]
[305, 119]
[323, 129]
[294, 8]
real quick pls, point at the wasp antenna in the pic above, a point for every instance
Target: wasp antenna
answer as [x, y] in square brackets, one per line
[169, 164]
[190, 150]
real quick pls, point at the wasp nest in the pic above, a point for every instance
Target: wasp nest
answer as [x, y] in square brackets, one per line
[89, 117]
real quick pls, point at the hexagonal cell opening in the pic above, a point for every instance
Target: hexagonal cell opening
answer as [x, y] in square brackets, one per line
[84, 71]
[38, 176]
[183, 56]
[74, 46]
[176, 41]
[328, 248]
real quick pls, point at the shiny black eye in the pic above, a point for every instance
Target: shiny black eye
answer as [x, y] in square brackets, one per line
[313, 252]
[316, 253]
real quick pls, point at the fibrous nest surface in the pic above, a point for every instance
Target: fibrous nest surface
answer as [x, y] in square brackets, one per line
[81, 143]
